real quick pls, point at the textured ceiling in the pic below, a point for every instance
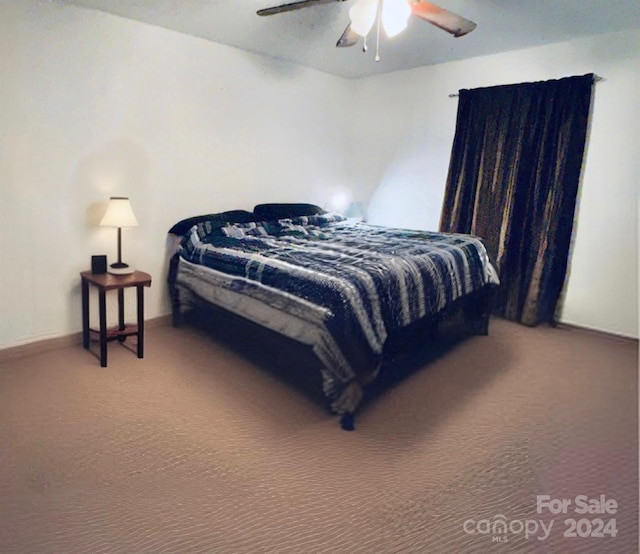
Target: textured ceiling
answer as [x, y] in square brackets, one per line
[307, 37]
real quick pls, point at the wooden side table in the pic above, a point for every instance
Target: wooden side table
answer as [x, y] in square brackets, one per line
[105, 282]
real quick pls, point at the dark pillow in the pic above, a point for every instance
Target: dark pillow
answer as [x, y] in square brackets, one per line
[285, 211]
[222, 218]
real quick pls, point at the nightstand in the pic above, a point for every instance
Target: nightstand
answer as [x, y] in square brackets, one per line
[105, 282]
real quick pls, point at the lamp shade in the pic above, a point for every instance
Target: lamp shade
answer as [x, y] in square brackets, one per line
[395, 16]
[363, 15]
[119, 213]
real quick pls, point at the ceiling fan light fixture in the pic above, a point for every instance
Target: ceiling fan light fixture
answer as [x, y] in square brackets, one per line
[363, 16]
[395, 16]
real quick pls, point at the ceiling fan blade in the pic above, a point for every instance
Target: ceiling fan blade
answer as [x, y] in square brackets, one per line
[295, 6]
[456, 25]
[348, 38]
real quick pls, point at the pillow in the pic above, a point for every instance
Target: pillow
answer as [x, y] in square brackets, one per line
[285, 211]
[219, 219]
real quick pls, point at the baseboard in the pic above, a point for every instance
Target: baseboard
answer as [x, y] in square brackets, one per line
[73, 339]
[609, 334]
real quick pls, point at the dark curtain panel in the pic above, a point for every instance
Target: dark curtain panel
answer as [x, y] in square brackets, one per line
[513, 180]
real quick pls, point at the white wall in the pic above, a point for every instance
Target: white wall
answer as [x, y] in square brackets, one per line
[93, 105]
[404, 134]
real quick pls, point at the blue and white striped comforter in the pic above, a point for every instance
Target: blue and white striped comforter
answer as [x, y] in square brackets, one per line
[354, 283]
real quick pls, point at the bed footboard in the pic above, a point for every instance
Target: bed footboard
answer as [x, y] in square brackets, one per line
[174, 292]
[471, 312]
[477, 310]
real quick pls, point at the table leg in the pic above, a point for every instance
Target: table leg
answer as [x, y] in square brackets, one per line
[121, 309]
[85, 313]
[103, 327]
[140, 297]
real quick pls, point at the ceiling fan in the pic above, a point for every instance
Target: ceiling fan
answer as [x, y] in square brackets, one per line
[393, 14]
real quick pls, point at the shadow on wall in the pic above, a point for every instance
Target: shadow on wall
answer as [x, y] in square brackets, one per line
[411, 178]
[118, 168]
[574, 232]
[405, 205]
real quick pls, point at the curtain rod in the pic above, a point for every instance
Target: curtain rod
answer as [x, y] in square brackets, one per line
[596, 78]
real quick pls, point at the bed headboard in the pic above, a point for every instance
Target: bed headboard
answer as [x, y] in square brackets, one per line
[265, 212]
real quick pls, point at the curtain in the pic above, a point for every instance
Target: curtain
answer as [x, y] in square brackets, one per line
[513, 181]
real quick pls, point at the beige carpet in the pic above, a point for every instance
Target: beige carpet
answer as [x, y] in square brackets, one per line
[197, 448]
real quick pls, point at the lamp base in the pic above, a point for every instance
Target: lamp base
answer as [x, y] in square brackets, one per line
[120, 268]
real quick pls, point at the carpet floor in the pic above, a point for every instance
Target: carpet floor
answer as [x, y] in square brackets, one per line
[493, 445]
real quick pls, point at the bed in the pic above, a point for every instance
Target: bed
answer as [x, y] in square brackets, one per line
[345, 288]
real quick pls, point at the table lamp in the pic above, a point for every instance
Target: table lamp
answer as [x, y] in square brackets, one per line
[119, 214]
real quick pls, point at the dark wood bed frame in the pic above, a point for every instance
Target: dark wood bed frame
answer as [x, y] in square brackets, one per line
[470, 314]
